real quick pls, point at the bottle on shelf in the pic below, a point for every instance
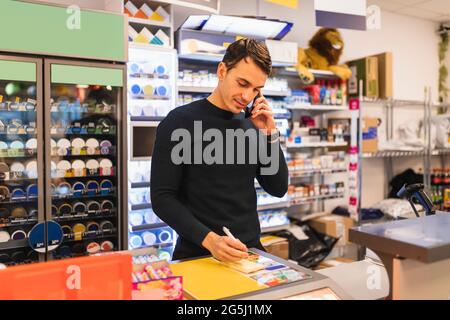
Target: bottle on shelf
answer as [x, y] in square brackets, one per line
[333, 94]
[339, 99]
[344, 92]
[327, 100]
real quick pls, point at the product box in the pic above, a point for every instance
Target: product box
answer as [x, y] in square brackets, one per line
[370, 135]
[365, 69]
[155, 281]
[385, 75]
[277, 246]
[334, 226]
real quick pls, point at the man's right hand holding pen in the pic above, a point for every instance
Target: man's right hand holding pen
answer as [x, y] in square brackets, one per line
[225, 248]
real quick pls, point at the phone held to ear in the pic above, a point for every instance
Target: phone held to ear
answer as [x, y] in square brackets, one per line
[248, 111]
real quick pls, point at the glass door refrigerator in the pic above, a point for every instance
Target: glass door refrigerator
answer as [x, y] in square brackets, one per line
[86, 134]
[21, 157]
[152, 74]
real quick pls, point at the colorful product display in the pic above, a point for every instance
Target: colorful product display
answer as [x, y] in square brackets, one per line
[18, 170]
[151, 237]
[273, 218]
[307, 191]
[332, 92]
[207, 79]
[160, 38]
[440, 188]
[84, 137]
[309, 165]
[151, 93]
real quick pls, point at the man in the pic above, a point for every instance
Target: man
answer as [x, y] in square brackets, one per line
[198, 199]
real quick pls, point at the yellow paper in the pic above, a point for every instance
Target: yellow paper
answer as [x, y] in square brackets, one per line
[287, 3]
[156, 16]
[141, 39]
[208, 279]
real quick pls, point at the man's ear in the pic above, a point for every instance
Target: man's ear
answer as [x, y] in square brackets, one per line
[221, 71]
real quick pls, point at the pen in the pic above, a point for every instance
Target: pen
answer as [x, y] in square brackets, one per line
[228, 233]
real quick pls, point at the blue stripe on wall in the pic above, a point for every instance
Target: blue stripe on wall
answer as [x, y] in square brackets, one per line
[340, 20]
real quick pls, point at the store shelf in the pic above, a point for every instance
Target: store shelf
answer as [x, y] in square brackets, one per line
[308, 200]
[210, 57]
[148, 226]
[83, 113]
[71, 197]
[19, 222]
[316, 145]
[23, 179]
[147, 118]
[5, 110]
[85, 216]
[194, 89]
[148, 46]
[89, 235]
[20, 156]
[275, 228]
[274, 93]
[159, 245]
[307, 173]
[271, 206]
[83, 177]
[399, 153]
[440, 152]
[200, 89]
[33, 200]
[65, 135]
[136, 185]
[141, 206]
[149, 76]
[323, 108]
[318, 74]
[8, 134]
[109, 155]
[148, 97]
[14, 244]
[148, 22]
[393, 154]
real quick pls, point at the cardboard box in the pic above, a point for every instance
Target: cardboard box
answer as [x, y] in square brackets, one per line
[385, 75]
[365, 69]
[277, 246]
[334, 226]
[370, 135]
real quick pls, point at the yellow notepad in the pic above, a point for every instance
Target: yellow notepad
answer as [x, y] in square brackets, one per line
[208, 279]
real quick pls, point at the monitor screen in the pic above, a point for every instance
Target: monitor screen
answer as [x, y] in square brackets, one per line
[143, 141]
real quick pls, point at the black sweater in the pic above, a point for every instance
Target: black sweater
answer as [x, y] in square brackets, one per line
[195, 199]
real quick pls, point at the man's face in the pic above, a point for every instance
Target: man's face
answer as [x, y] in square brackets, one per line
[239, 85]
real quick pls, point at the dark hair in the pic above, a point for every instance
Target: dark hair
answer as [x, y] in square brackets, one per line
[244, 48]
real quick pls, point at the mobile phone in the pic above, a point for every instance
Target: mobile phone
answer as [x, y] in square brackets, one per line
[248, 111]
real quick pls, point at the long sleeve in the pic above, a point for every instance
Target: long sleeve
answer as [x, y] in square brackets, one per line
[274, 184]
[166, 178]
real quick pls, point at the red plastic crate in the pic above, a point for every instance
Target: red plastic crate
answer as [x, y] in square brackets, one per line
[87, 278]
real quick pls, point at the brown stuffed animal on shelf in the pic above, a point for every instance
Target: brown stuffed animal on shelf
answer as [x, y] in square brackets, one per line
[324, 51]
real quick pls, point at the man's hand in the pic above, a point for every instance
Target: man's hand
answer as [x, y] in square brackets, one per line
[262, 116]
[224, 248]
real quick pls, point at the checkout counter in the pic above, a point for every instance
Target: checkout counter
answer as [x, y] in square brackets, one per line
[415, 253]
[206, 279]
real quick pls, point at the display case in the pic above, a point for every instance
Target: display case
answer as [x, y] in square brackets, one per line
[85, 116]
[152, 95]
[21, 201]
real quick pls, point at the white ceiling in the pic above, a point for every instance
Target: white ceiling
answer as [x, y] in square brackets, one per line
[434, 10]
